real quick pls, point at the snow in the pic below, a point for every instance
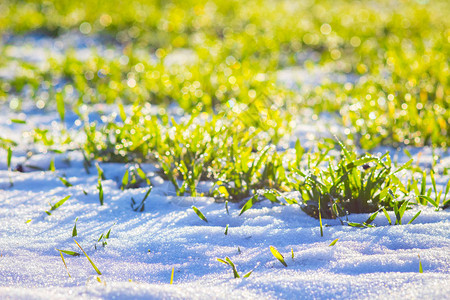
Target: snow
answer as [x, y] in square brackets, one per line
[143, 247]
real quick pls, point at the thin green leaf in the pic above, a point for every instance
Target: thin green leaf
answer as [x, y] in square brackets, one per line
[235, 272]
[415, 216]
[226, 230]
[125, 180]
[100, 238]
[199, 213]
[60, 106]
[430, 200]
[387, 216]
[89, 259]
[249, 204]
[100, 191]
[68, 252]
[8, 158]
[18, 121]
[74, 231]
[277, 255]
[51, 167]
[333, 242]
[171, 276]
[122, 113]
[420, 264]
[64, 262]
[58, 204]
[372, 217]
[65, 182]
[222, 261]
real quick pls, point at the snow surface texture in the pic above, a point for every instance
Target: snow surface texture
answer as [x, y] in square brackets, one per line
[143, 247]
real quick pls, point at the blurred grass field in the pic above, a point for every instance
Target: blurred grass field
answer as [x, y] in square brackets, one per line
[398, 51]
[380, 69]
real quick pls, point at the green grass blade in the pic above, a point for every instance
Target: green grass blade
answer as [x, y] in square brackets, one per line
[423, 183]
[51, 167]
[387, 216]
[65, 182]
[415, 216]
[249, 204]
[171, 276]
[64, 262]
[60, 106]
[226, 230]
[408, 163]
[433, 182]
[420, 264]
[100, 238]
[429, 200]
[372, 217]
[277, 255]
[89, 259]
[248, 274]
[100, 172]
[122, 113]
[18, 121]
[320, 219]
[235, 272]
[58, 204]
[447, 189]
[100, 191]
[125, 179]
[333, 242]
[74, 230]
[199, 214]
[68, 252]
[222, 261]
[8, 158]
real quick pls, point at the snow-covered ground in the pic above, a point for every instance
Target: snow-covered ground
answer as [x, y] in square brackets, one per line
[143, 247]
[375, 263]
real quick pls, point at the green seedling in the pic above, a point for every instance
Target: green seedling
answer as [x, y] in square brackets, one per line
[57, 204]
[60, 107]
[249, 204]
[51, 166]
[228, 262]
[8, 161]
[74, 230]
[199, 213]
[277, 255]
[171, 276]
[333, 242]
[64, 262]
[436, 202]
[101, 176]
[367, 223]
[104, 237]
[420, 265]
[18, 121]
[65, 182]
[89, 259]
[141, 206]
[100, 172]
[100, 191]
[226, 230]
[133, 177]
